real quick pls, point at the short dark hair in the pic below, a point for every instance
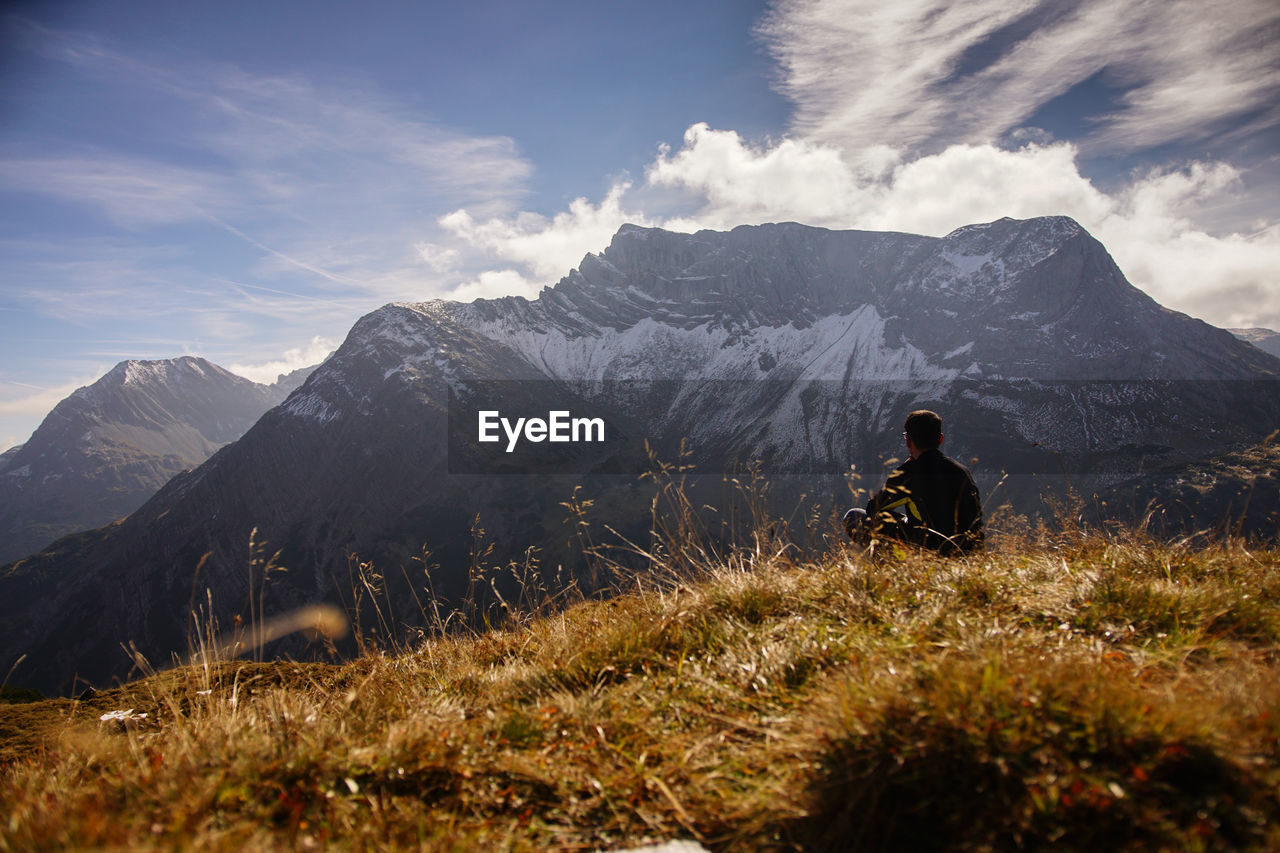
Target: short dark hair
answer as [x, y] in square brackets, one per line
[924, 428]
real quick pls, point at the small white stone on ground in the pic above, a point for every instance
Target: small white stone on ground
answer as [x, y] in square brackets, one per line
[670, 847]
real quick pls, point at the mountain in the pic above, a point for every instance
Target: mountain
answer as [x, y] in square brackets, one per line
[109, 446]
[1237, 492]
[287, 383]
[799, 347]
[1264, 339]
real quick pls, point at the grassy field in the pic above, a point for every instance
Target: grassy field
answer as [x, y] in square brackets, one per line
[1060, 690]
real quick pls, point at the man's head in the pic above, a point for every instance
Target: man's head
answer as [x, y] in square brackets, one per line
[923, 431]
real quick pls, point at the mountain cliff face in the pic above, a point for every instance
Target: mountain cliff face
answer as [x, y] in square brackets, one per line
[1027, 326]
[799, 347]
[109, 446]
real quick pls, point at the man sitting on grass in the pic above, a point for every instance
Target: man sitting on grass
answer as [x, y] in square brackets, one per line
[936, 493]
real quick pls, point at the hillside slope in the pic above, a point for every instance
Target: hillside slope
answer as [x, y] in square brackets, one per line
[1235, 493]
[1060, 693]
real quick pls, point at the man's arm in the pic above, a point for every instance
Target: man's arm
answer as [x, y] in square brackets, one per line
[896, 494]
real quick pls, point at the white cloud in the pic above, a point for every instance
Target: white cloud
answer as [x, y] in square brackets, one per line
[1230, 280]
[745, 184]
[493, 284]
[978, 183]
[548, 248]
[311, 353]
[438, 258]
[811, 183]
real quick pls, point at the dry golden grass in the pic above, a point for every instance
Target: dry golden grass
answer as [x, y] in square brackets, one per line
[1069, 692]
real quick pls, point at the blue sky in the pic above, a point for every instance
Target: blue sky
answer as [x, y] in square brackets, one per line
[243, 180]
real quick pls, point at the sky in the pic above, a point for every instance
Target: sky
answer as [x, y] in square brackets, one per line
[244, 180]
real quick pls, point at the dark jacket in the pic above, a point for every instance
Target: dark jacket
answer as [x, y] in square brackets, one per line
[940, 501]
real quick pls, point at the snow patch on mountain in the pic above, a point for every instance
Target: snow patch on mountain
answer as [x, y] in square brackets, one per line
[966, 265]
[312, 406]
[830, 349]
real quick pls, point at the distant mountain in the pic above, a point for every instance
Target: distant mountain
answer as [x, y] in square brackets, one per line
[287, 383]
[109, 446]
[797, 347]
[1264, 339]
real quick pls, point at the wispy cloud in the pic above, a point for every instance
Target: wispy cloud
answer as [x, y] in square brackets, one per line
[314, 148]
[127, 290]
[85, 282]
[131, 191]
[23, 405]
[20, 398]
[289, 125]
[866, 72]
[326, 179]
[919, 74]
[289, 260]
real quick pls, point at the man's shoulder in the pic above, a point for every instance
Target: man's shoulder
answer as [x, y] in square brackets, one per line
[938, 459]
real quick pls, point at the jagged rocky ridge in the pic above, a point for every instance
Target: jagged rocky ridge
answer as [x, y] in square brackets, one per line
[800, 347]
[111, 445]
